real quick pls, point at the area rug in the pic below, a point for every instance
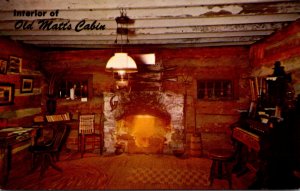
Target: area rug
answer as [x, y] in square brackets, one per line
[146, 178]
[157, 172]
[120, 172]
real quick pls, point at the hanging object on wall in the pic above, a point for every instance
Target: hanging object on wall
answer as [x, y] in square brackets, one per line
[114, 101]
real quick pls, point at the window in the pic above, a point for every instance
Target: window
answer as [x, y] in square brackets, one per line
[82, 85]
[215, 89]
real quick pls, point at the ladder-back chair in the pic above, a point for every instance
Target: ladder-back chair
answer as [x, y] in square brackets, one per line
[86, 129]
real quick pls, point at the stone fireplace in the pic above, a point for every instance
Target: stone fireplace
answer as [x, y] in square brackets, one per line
[143, 121]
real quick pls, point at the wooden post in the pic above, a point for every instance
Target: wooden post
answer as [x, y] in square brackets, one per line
[196, 139]
[184, 116]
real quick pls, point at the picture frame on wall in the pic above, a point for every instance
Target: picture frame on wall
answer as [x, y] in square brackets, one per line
[3, 66]
[7, 92]
[26, 85]
[15, 65]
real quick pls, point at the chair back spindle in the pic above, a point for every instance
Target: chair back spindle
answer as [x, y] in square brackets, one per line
[86, 129]
[86, 124]
[60, 137]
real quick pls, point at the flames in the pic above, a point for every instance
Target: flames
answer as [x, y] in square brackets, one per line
[145, 129]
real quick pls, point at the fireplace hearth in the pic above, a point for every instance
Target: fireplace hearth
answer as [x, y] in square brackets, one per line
[142, 122]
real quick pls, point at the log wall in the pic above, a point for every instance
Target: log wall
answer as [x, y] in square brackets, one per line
[283, 46]
[26, 105]
[212, 117]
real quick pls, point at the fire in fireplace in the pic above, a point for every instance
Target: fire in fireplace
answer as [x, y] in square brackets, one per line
[145, 123]
[143, 133]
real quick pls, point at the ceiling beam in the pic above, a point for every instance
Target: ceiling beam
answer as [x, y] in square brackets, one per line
[162, 12]
[104, 46]
[153, 41]
[264, 27]
[141, 37]
[165, 22]
[113, 4]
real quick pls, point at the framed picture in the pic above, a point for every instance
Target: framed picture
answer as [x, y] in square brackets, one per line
[3, 66]
[7, 92]
[15, 65]
[26, 85]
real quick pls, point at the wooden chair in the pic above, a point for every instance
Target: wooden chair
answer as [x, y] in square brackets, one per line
[47, 154]
[87, 129]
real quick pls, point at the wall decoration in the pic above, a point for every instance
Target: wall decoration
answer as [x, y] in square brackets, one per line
[26, 85]
[7, 92]
[15, 65]
[3, 66]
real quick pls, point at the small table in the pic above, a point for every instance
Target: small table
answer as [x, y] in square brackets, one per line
[9, 137]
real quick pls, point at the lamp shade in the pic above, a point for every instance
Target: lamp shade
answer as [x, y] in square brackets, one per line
[121, 62]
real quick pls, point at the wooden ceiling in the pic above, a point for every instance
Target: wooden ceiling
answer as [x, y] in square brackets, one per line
[164, 23]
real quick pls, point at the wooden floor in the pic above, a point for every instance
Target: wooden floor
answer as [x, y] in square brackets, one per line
[127, 172]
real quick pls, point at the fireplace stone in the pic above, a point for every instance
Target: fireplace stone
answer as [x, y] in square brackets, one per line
[142, 122]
